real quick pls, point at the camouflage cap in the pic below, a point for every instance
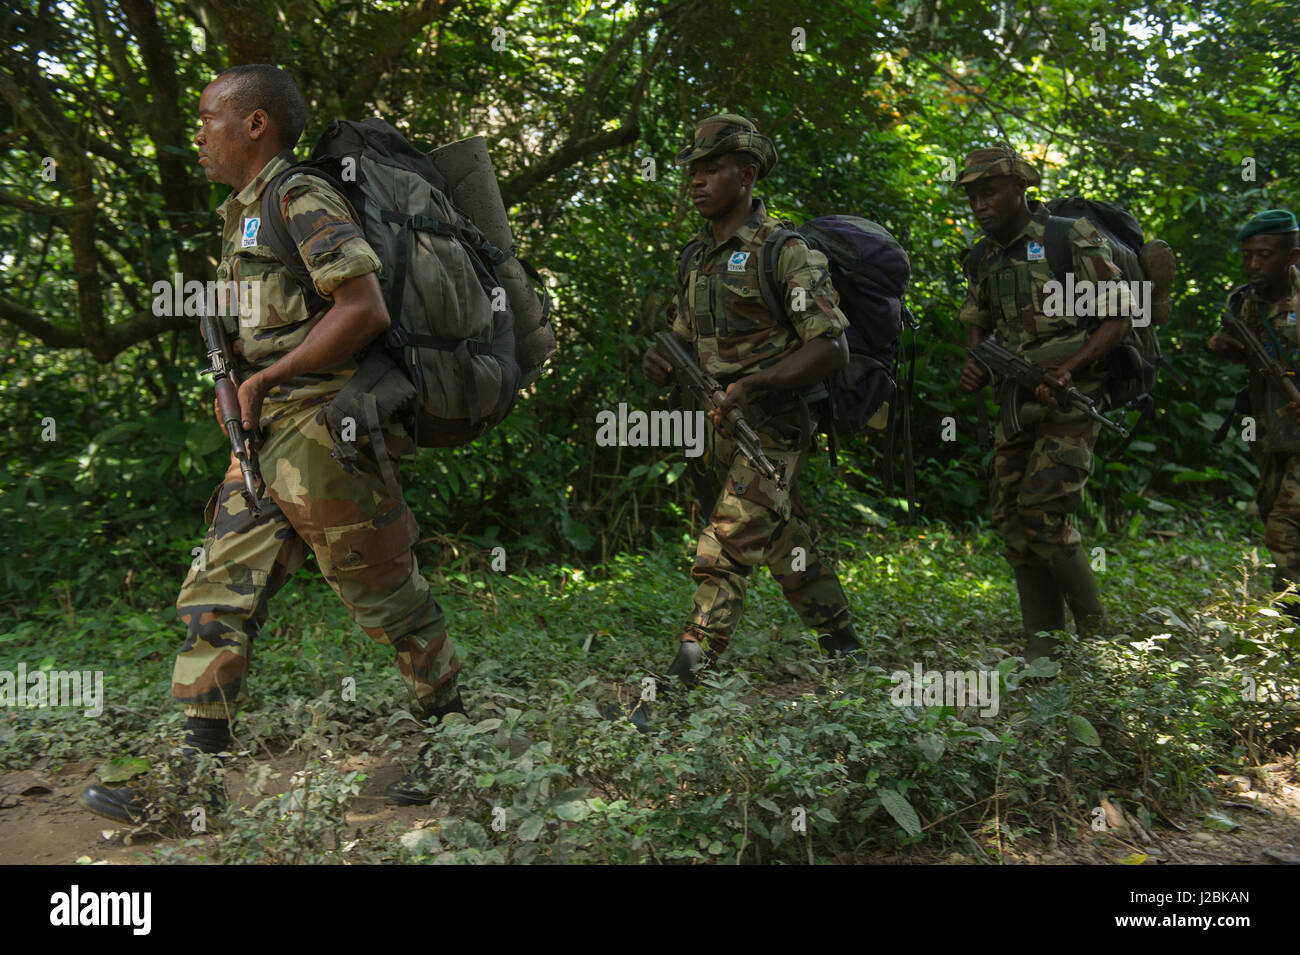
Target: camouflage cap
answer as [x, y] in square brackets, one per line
[1269, 222]
[998, 160]
[730, 133]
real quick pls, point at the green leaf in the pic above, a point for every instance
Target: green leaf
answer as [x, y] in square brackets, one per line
[419, 841]
[573, 811]
[122, 768]
[1042, 667]
[1219, 822]
[531, 827]
[1082, 730]
[898, 807]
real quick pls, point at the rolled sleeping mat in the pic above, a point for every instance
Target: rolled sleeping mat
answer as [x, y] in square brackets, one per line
[472, 188]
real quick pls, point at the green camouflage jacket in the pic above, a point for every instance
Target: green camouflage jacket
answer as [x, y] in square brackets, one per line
[1277, 432]
[333, 248]
[720, 306]
[1005, 293]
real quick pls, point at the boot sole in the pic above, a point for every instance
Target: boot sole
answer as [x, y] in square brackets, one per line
[98, 801]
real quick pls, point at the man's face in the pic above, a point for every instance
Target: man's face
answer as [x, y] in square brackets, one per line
[996, 202]
[718, 183]
[1266, 259]
[223, 138]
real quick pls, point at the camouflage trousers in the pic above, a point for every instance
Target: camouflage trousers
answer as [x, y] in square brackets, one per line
[1038, 480]
[1278, 498]
[361, 537]
[754, 522]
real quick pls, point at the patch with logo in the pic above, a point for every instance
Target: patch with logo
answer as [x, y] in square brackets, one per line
[1290, 319]
[250, 231]
[737, 261]
[1036, 251]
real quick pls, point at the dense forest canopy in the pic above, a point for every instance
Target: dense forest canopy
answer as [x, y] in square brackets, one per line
[1186, 113]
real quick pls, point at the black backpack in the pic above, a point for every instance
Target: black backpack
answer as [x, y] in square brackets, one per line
[870, 271]
[448, 367]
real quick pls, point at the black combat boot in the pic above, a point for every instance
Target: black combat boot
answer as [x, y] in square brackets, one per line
[1042, 610]
[843, 643]
[690, 659]
[129, 806]
[1075, 579]
[416, 787]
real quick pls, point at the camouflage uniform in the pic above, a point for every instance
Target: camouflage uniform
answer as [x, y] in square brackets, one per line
[1277, 445]
[720, 309]
[1039, 473]
[360, 532]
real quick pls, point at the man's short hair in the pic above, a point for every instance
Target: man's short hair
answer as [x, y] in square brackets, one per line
[269, 88]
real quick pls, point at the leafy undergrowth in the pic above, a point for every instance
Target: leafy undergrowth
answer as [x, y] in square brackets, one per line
[780, 757]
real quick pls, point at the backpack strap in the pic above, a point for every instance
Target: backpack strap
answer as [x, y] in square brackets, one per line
[1060, 257]
[691, 253]
[909, 464]
[769, 255]
[277, 236]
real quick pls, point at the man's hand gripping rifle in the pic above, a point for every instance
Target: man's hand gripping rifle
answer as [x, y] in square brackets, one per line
[1010, 366]
[1259, 358]
[710, 395]
[242, 444]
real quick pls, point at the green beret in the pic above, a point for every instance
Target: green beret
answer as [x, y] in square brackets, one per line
[998, 160]
[1269, 222]
[729, 133]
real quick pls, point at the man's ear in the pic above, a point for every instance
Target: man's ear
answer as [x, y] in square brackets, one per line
[748, 175]
[258, 124]
[1294, 257]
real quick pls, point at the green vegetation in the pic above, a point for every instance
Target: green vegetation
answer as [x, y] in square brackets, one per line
[1187, 117]
[1151, 715]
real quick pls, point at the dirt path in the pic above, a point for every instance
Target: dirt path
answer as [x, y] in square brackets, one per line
[42, 823]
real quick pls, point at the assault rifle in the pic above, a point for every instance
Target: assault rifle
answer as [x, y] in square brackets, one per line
[1259, 358]
[1010, 366]
[709, 394]
[220, 360]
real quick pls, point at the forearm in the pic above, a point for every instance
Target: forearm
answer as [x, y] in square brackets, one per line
[975, 334]
[1101, 342]
[341, 333]
[808, 364]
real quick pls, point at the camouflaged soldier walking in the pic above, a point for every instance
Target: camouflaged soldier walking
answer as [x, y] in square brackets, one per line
[294, 363]
[1268, 305]
[1040, 470]
[766, 364]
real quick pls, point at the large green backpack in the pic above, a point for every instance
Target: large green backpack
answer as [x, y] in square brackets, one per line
[460, 345]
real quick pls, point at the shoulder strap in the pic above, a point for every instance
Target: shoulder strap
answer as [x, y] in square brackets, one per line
[1060, 258]
[769, 286]
[687, 260]
[278, 239]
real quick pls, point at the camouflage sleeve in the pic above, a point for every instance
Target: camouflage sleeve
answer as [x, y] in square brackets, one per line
[1093, 263]
[975, 306]
[805, 276]
[329, 239]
